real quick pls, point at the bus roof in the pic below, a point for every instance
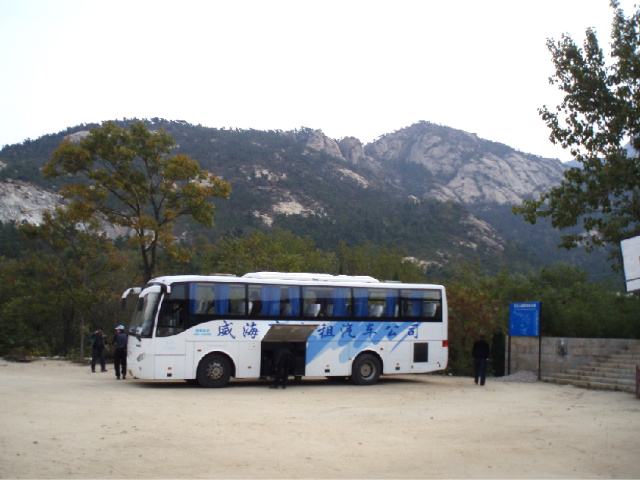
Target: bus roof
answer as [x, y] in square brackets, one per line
[321, 279]
[310, 277]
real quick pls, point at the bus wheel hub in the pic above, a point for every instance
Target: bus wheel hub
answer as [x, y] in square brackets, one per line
[214, 370]
[366, 370]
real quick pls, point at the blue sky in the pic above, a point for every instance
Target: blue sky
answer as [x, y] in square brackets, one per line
[349, 68]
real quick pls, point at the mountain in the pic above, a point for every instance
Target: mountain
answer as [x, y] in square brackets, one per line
[441, 194]
[462, 167]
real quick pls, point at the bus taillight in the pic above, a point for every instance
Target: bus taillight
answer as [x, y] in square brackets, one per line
[445, 343]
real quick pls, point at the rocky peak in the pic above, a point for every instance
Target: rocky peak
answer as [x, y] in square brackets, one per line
[459, 166]
[464, 168]
[352, 150]
[77, 136]
[354, 153]
[317, 140]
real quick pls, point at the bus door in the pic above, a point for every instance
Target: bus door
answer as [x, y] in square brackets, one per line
[292, 336]
[169, 345]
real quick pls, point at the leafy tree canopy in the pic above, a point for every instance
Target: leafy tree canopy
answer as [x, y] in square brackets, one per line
[132, 181]
[66, 278]
[279, 251]
[599, 115]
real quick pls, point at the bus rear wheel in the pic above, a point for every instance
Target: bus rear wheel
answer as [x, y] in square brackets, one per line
[214, 371]
[365, 370]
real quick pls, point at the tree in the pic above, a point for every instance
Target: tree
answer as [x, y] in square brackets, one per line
[129, 179]
[599, 114]
[572, 304]
[279, 251]
[379, 262]
[72, 270]
[473, 311]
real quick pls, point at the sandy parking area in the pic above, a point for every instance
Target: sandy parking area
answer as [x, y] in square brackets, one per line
[59, 420]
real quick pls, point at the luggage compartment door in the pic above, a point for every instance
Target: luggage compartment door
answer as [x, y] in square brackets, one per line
[294, 336]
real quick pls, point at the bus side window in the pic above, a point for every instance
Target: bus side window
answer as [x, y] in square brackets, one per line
[413, 303]
[430, 310]
[361, 302]
[312, 310]
[239, 307]
[290, 296]
[312, 301]
[407, 308]
[340, 302]
[432, 307]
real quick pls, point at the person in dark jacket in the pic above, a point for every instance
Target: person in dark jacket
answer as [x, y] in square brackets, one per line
[283, 360]
[120, 354]
[98, 343]
[480, 355]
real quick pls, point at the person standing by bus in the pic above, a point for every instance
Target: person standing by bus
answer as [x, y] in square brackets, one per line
[283, 360]
[120, 354]
[98, 343]
[480, 355]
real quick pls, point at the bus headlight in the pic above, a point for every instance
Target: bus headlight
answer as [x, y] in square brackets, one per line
[141, 357]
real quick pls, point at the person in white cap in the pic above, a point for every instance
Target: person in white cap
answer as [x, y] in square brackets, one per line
[120, 354]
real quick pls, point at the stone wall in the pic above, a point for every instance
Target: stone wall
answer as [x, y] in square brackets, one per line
[559, 353]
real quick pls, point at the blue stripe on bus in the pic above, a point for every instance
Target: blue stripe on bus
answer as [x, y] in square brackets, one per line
[359, 335]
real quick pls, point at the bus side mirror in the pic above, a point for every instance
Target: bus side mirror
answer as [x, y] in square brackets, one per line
[127, 292]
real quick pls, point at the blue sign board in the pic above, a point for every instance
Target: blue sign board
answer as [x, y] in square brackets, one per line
[524, 319]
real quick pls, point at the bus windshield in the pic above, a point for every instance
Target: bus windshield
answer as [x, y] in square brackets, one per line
[142, 321]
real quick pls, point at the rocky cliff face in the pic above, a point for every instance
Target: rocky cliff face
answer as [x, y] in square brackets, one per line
[23, 202]
[353, 152]
[458, 166]
[464, 168]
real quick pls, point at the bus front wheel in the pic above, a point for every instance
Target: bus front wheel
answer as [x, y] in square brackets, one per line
[214, 371]
[366, 370]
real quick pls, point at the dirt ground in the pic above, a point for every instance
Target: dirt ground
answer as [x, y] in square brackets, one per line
[59, 420]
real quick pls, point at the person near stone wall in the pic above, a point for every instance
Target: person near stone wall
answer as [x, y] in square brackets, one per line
[480, 353]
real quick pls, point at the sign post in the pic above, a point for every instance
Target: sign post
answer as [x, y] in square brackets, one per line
[630, 249]
[524, 321]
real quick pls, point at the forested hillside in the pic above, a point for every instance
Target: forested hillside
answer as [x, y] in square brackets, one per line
[409, 190]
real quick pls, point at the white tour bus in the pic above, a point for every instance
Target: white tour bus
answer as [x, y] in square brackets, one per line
[211, 328]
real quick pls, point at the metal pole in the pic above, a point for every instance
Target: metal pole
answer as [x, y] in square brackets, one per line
[540, 344]
[509, 355]
[539, 357]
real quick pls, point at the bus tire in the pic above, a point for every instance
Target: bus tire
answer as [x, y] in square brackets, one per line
[366, 369]
[214, 371]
